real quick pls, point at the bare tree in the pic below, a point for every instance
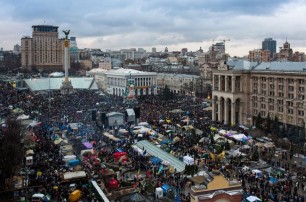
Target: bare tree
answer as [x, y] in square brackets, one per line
[10, 150]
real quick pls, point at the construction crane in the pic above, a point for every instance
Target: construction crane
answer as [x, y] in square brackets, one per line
[224, 40]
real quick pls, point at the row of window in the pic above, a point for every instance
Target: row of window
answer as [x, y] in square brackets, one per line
[138, 81]
[290, 95]
[279, 108]
[279, 80]
[280, 87]
[264, 114]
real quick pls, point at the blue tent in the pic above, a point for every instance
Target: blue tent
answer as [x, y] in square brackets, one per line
[155, 160]
[119, 150]
[165, 141]
[165, 188]
[73, 162]
[272, 180]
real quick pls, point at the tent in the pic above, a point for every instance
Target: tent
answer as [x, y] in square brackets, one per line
[239, 137]
[29, 152]
[73, 162]
[119, 150]
[258, 173]
[117, 155]
[155, 160]
[272, 180]
[122, 131]
[87, 145]
[159, 192]
[188, 160]
[253, 199]
[23, 117]
[165, 188]
[69, 157]
[143, 124]
[166, 141]
[138, 150]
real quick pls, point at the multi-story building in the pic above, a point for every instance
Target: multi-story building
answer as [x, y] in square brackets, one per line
[259, 55]
[74, 51]
[285, 53]
[1, 54]
[269, 44]
[125, 54]
[217, 51]
[44, 51]
[144, 83]
[184, 51]
[242, 90]
[183, 84]
[16, 49]
[105, 63]
[298, 57]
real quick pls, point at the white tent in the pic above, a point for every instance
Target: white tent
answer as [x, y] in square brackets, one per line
[239, 137]
[143, 124]
[23, 117]
[253, 199]
[142, 130]
[188, 160]
[57, 74]
[222, 132]
[257, 173]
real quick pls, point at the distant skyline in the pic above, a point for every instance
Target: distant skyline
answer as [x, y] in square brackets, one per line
[119, 24]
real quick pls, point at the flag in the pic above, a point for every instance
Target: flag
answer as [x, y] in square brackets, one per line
[144, 153]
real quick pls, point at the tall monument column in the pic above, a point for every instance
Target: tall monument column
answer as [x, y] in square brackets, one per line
[66, 87]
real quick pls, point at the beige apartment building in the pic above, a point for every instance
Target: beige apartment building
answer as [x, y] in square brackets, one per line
[259, 55]
[44, 51]
[243, 89]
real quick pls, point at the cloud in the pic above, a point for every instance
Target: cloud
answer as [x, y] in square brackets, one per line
[137, 23]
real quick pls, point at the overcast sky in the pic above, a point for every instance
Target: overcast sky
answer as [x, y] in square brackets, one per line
[176, 24]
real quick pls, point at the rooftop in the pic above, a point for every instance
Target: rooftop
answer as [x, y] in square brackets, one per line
[267, 66]
[41, 84]
[122, 71]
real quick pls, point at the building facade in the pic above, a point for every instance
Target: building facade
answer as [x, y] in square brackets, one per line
[74, 51]
[242, 90]
[269, 44]
[259, 55]
[144, 83]
[44, 51]
[285, 53]
[182, 84]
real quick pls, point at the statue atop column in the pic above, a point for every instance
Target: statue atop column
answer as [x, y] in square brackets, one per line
[66, 32]
[66, 87]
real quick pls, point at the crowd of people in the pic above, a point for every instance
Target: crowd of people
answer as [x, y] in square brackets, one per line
[53, 109]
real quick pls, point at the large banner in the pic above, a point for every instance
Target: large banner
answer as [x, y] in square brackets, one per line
[130, 89]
